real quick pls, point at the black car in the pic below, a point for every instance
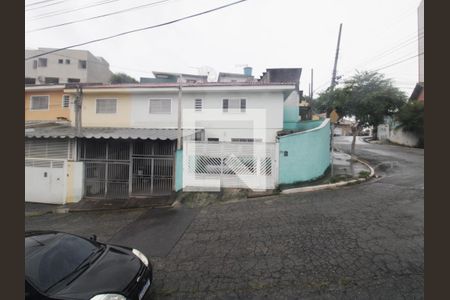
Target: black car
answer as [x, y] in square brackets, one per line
[65, 266]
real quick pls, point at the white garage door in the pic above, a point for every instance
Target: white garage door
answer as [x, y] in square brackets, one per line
[45, 181]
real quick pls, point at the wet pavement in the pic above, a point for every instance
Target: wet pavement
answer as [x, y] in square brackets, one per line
[357, 242]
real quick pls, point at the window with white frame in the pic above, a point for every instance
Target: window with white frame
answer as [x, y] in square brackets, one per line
[39, 102]
[234, 105]
[66, 101]
[106, 106]
[198, 105]
[160, 106]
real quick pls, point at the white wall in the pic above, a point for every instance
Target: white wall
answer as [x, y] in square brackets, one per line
[264, 113]
[397, 136]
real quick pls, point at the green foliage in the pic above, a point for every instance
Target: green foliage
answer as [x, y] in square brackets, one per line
[364, 174]
[411, 118]
[367, 96]
[122, 78]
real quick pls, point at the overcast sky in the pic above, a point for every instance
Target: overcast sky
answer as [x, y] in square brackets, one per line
[258, 33]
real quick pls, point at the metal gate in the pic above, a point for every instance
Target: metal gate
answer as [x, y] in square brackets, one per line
[153, 167]
[124, 168]
[229, 165]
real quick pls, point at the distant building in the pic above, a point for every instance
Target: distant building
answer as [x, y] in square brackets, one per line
[246, 76]
[168, 77]
[65, 66]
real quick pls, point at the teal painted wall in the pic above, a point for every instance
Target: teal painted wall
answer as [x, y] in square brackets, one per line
[178, 170]
[302, 125]
[308, 154]
[290, 113]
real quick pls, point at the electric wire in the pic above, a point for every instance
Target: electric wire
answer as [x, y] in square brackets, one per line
[139, 29]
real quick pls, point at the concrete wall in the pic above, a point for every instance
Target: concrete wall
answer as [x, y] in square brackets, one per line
[391, 133]
[55, 107]
[303, 125]
[291, 111]
[308, 154]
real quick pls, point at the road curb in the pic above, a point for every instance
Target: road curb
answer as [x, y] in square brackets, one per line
[332, 185]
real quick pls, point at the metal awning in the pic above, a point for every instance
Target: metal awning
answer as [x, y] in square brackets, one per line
[64, 131]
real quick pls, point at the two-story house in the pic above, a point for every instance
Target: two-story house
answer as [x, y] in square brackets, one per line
[129, 133]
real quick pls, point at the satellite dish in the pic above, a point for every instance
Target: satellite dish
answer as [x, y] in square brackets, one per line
[208, 71]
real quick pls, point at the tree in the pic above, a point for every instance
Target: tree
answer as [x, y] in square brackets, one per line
[411, 117]
[367, 97]
[122, 78]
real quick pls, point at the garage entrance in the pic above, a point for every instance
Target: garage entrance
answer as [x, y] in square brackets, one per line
[118, 169]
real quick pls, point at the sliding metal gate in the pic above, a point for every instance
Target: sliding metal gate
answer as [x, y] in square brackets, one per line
[122, 168]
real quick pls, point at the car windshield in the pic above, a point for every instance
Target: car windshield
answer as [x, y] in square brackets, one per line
[50, 258]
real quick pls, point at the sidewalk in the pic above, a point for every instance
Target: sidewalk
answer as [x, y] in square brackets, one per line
[345, 170]
[37, 209]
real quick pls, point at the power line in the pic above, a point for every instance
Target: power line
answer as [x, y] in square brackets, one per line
[139, 29]
[100, 16]
[39, 2]
[396, 63]
[64, 11]
[50, 4]
[389, 51]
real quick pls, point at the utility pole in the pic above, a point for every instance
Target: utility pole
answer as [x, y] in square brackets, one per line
[78, 103]
[333, 77]
[180, 95]
[312, 85]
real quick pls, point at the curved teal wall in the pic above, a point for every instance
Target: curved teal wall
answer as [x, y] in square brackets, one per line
[308, 154]
[178, 170]
[302, 125]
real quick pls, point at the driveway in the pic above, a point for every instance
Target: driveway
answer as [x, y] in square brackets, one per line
[358, 242]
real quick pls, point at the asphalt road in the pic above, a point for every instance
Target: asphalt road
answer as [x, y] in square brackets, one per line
[358, 242]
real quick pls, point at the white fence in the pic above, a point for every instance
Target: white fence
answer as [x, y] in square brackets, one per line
[211, 165]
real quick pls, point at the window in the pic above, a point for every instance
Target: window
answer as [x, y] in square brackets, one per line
[67, 61]
[225, 105]
[234, 105]
[82, 64]
[60, 61]
[30, 80]
[249, 140]
[243, 105]
[51, 80]
[39, 102]
[71, 80]
[42, 62]
[106, 106]
[198, 105]
[66, 101]
[213, 139]
[160, 106]
[34, 64]
[198, 136]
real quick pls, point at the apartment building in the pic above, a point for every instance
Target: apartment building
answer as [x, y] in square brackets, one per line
[65, 66]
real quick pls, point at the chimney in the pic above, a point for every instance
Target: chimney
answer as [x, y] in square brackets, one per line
[248, 71]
